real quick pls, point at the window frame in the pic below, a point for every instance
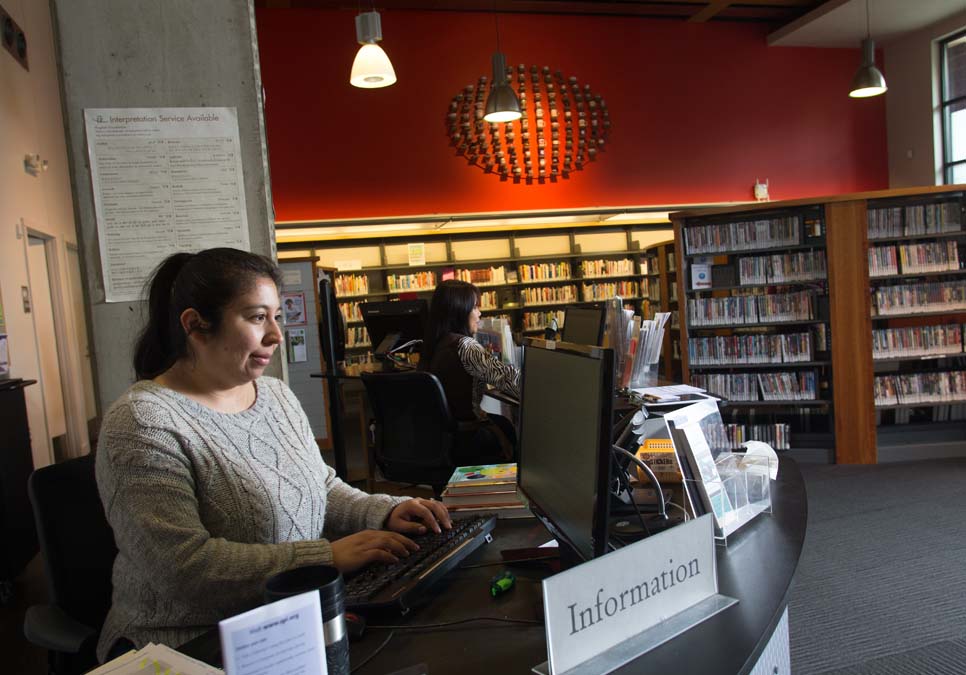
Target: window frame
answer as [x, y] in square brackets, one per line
[949, 165]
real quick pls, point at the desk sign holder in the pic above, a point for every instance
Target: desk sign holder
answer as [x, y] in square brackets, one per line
[605, 613]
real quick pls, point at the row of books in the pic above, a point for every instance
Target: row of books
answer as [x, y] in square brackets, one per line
[540, 320]
[777, 386]
[917, 219]
[488, 300]
[548, 294]
[751, 309]
[417, 281]
[351, 284]
[603, 268]
[915, 258]
[782, 267]
[913, 388]
[883, 261]
[540, 271]
[935, 413]
[356, 336]
[743, 236]
[350, 311]
[914, 298]
[490, 488]
[602, 290]
[652, 289]
[750, 349]
[893, 343]
[776, 435]
[483, 275]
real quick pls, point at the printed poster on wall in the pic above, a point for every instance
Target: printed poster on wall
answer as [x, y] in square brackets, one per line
[165, 180]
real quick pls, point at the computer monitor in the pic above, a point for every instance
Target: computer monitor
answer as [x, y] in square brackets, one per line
[583, 325]
[392, 324]
[331, 325]
[565, 440]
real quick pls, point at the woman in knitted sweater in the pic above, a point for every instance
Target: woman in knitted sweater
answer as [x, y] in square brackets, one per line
[465, 368]
[209, 472]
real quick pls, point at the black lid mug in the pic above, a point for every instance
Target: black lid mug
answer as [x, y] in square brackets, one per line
[328, 581]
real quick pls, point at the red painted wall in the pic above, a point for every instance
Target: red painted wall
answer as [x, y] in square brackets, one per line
[698, 110]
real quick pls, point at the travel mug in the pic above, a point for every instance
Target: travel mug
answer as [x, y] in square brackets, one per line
[328, 581]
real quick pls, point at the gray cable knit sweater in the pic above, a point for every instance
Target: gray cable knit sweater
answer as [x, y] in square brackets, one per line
[206, 506]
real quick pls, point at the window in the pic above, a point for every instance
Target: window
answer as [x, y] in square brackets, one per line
[953, 70]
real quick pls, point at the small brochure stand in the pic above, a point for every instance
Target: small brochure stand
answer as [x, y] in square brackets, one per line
[734, 487]
[741, 490]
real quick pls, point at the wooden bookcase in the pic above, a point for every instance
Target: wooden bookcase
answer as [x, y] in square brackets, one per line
[526, 276]
[845, 301]
[660, 291]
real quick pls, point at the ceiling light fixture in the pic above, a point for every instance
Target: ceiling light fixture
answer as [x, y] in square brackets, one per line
[371, 68]
[502, 104]
[868, 80]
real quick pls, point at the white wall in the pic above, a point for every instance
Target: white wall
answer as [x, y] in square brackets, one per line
[32, 122]
[912, 105]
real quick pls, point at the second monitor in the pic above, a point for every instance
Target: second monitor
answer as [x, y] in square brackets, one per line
[391, 325]
[583, 325]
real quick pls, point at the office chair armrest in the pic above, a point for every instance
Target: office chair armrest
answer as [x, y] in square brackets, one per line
[48, 626]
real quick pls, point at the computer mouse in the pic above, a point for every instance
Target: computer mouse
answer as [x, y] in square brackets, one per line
[355, 626]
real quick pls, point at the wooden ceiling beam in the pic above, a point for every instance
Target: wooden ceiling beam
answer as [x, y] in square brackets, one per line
[710, 10]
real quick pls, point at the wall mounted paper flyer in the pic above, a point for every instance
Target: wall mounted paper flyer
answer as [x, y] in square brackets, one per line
[287, 631]
[417, 253]
[164, 180]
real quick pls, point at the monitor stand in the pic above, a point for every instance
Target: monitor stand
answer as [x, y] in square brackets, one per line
[385, 347]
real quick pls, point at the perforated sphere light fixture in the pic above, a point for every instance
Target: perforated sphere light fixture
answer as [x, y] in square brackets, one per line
[502, 104]
[868, 80]
[371, 68]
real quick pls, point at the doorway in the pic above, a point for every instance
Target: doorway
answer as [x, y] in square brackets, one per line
[51, 445]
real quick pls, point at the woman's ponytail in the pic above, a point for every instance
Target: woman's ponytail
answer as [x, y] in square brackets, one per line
[158, 345]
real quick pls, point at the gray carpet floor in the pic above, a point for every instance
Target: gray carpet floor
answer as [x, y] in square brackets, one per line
[881, 586]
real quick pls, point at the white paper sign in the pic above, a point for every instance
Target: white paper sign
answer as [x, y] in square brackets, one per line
[595, 606]
[282, 637]
[165, 180]
[417, 253]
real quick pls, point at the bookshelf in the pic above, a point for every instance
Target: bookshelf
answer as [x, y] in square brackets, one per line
[527, 276]
[879, 330]
[659, 291]
[916, 247]
[755, 320]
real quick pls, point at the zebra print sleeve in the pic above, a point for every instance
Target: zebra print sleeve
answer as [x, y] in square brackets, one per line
[484, 367]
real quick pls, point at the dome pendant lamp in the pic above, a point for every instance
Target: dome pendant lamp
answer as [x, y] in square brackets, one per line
[868, 80]
[371, 68]
[502, 104]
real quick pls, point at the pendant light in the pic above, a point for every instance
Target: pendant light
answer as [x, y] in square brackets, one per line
[371, 68]
[502, 104]
[868, 80]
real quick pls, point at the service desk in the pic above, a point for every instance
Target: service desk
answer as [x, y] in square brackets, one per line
[757, 568]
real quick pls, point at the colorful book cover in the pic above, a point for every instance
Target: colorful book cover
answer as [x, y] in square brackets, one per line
[481, 475]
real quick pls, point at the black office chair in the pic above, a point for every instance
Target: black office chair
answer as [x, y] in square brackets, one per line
[77, 545]
[415, 431]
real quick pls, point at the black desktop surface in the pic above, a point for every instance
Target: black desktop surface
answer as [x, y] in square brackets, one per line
[757, 568]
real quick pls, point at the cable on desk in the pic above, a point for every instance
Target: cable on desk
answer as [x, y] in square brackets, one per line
[374, 653]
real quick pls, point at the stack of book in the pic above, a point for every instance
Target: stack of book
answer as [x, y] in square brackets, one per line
[492, 488]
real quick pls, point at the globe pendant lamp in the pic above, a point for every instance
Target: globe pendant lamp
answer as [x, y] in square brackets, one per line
[371, 68]
[868, 80]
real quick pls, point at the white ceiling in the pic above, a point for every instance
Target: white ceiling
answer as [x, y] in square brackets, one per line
[842, 23]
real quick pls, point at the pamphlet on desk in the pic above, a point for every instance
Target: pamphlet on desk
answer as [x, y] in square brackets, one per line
[153, 658]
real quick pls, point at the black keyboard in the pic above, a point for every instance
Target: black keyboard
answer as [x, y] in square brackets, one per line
[400, 584]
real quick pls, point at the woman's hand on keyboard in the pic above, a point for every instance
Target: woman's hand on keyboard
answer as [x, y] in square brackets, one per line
[416, 516]
[369, 546]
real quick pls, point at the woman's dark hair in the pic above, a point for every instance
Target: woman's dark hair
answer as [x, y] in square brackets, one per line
[449, 312]
[207, 281]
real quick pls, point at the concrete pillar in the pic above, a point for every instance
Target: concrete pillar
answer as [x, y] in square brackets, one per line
[147, 54]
